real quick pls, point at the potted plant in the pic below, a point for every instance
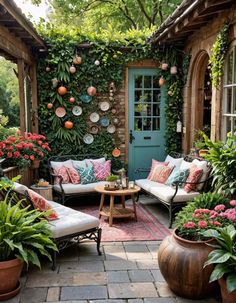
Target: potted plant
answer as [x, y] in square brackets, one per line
[222, 156]
[24, 236]
[223, 257]
[182, 255]
[23, 150]
[112, 180]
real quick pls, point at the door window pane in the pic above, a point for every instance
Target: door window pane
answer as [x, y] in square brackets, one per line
[230, 68]
[138, 81]
[148, 81]
[156, 123]
[229, 100]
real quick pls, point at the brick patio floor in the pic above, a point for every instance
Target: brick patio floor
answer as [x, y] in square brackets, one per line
[126, 272]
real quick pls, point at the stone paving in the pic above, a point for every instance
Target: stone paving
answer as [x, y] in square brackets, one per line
[126, 272]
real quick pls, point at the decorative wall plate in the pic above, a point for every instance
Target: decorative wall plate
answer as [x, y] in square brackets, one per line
[115, 120]
[88, 138]
[116, 152]
[94, 117]
[104, 121]
[104, 105]
[94, 129]
[111, 129]
[77, 110]
[114, 110]
[85, 98]
[60, 112]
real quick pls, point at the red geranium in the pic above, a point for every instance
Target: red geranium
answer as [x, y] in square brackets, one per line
[20, 150]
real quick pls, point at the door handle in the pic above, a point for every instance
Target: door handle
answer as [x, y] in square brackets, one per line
[131, 137]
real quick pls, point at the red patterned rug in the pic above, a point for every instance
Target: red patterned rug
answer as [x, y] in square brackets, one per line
[147, 227]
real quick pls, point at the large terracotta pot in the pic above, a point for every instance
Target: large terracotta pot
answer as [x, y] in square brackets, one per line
[10, 272]
[226, 297]
[181, 264]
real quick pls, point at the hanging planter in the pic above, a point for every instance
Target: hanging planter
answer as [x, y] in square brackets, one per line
[164, 66]
[77, 60]
[92, 91]
[49, 105]
[72, 69]
[173, 70]
[68, 124]
[62, 90]
[161, 81]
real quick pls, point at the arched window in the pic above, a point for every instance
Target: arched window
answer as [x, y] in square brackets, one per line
[229, 93]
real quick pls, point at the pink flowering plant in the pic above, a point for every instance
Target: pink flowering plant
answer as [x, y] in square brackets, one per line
[21, 150]
[193, 221]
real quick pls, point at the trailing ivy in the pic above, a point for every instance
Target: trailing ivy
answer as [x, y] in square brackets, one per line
[217, 56]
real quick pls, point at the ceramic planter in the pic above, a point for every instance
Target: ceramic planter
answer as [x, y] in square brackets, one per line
[10, 272]
[173, 70]
[226, 297]
[181, 264]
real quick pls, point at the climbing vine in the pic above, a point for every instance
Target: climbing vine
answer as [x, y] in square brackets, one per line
[102, 63]
[217, 56]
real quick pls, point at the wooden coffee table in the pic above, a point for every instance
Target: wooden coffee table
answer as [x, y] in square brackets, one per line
[113, 211]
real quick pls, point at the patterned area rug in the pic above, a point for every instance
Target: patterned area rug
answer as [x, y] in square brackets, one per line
[147, 227]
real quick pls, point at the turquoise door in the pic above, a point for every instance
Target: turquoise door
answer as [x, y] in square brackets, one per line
[146, 102]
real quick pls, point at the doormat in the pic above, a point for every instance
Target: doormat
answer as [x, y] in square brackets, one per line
[147, 227]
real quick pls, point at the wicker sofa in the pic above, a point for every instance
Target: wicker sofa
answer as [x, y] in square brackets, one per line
[174, 195]
[70, 190]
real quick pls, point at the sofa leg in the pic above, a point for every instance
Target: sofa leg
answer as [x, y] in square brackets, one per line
[170, 217]
[54, 260]
[99, 241]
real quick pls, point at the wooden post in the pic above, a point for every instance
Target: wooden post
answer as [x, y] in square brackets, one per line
[34, 114]
[20, 65]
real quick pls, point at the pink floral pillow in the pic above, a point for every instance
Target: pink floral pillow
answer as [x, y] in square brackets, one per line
[42, 204]
[194, 175]
[102, 170]
[62, 171]
[161, 173]
[73, 175]
[154, 164]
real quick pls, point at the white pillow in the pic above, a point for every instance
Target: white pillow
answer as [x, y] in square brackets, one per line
[174, 161]
[90, 162]
[206, 170]
[20, 188]
[67, 163]
[185, 164]
[77, 163]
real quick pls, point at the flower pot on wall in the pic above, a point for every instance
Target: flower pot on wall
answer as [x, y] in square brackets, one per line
[181, 264]
[226, 297]
[173, 70]
[35, 164]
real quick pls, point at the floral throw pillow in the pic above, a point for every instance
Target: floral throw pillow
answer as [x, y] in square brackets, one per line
[177, 175]
[102, 170]
[62, 171]
[194, 175]
[161, 173]
[86, 175]
[154, 163]
[42, 204]
[73, 175]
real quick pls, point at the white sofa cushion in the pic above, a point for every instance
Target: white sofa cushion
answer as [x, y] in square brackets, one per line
[78, 188]
[77, 163]
[55, 164]
[89, 162]
[165, 192]
[174, 161]
[70, 221]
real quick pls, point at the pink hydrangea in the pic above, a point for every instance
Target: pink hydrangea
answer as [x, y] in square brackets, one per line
[232, 203]
[219, 207]
[190, 225]
[202, 224]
